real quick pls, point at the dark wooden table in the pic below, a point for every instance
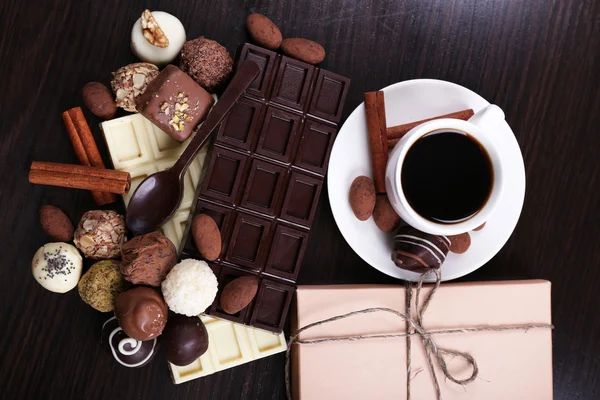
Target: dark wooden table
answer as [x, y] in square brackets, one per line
[539, 60]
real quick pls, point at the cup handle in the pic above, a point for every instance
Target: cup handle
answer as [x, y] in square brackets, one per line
[488, 118]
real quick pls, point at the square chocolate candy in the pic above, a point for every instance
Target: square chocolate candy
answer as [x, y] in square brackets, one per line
[264, 180]
[175, 103]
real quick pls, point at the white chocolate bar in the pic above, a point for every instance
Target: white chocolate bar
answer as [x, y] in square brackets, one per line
[139, 147]
[229, 345]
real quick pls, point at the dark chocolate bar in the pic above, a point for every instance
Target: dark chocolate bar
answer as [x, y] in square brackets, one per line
[264, 179]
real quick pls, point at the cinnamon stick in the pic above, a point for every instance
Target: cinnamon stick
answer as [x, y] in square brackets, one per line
[79, 177]
[395, 133]
[85, 148]
[376, 127]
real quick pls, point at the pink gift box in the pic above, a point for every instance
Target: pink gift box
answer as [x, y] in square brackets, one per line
[512, 364]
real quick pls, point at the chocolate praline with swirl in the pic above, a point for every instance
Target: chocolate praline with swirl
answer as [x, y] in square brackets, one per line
[128, 352]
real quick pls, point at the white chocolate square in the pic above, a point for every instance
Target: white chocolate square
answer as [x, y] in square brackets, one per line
[139, 147]
[229, 345]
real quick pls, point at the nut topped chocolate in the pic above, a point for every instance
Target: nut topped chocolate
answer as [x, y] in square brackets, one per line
[174, 103]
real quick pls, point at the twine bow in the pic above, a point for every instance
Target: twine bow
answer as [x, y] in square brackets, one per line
[413, 327]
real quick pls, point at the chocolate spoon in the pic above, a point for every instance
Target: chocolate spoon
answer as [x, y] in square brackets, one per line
[159, 195]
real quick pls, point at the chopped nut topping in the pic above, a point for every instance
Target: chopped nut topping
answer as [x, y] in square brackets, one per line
[152, 32]
[178, 107]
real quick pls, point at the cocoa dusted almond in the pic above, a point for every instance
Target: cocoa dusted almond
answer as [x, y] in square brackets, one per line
[56, 224]
[238, 293]
[303, 50]
[206, 236]
[99, 100]
[362, 197]
[263, 31]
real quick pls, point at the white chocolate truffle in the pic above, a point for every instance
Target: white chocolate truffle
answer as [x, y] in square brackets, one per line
[190, 287]
[173, 30]
[57, 267]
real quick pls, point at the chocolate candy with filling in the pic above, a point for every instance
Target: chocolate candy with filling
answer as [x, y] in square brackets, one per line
[128, 352]
[185, 339]
[264, 180]
[419, 251]
[174, 103]
[147, 259]
[141, 312]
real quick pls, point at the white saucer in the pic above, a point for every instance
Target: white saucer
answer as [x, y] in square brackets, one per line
[405, 102]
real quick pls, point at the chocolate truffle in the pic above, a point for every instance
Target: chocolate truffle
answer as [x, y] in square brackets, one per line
[460, 243]
[419, 251]
[207, 62]
[185, 339]
[100, 234]
[131, 81]
[101, 284]
[57, 267]
[141, 312]
[174, 103]
[147, 259]
[190, 287]
[128, 352]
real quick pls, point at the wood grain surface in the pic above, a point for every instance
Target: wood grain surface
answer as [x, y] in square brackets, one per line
[539, 60]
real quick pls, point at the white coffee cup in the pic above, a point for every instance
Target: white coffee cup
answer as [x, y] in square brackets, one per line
[481, 127]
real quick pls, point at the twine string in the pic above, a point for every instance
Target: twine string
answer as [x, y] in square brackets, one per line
[414, 327]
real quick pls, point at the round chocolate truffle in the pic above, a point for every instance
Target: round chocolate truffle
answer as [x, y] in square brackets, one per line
[128, 352]
[207, 62]
[186, 339]
[141, 312]
[101, 284]
[100, 234]
[419, 251]
[147, 259]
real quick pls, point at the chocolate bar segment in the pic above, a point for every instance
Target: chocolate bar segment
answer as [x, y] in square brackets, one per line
[287, 252]
[330, 93]
[250, 241]
[272, 304]
[238, 130]
[264, 180]
[175, 103]
[267, 60]
[293, 84]
[279, 133]
[315, 146]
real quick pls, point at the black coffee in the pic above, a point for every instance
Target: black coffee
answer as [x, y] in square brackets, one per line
[447, 177]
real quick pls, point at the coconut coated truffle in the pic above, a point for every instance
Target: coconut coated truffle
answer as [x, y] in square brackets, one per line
[190, 287]
[207, 62]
